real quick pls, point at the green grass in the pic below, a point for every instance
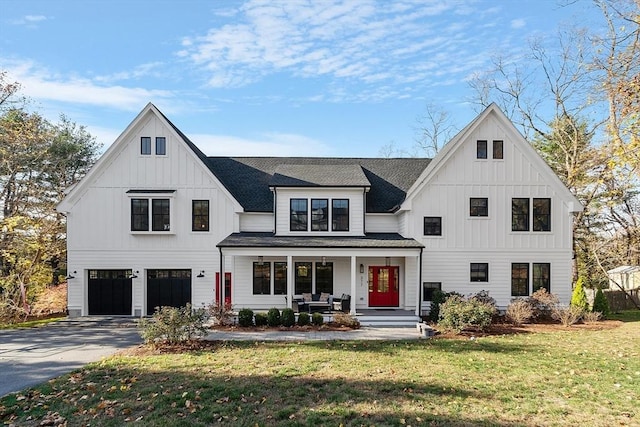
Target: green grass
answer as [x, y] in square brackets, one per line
[569, 377]
[32, 323]
[626, 316]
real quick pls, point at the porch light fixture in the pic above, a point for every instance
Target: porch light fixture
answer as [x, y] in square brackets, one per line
[71, 276]
[361, 268]
[201, 274]
[387, 261]
[134, 275]
[260, 260]
[324, 261]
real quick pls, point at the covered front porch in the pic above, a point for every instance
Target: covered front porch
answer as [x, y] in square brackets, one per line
[377, 271]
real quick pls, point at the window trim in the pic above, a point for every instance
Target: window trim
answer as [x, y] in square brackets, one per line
[478, 214]
[527, 214]
[547, 215]
[323, 222]
[521, 267]
[151, 195]
[495, 144]
[437, 229]
[306, 214]
[145, 145]
[482, 149]
[432, 288]
[163, 146]
[334, 216]
[262, 283]
[194, 216]
[547, 279]
[477, 270]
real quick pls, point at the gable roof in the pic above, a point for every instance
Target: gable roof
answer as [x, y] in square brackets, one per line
[532, 155]
[249, 179]
[319, 176]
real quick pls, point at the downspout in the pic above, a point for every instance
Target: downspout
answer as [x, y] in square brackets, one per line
[420, 284]
[221, 281]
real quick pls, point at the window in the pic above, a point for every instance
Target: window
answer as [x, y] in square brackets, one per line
[324, 278]
[519, 214]
[481, 150]
[145, 145]
[479, 206]
[432, 226]
[541, 214]
[319, 215]
[199, 215]
[261, 278]
[519, 279]
[303, 277]
[160, 215]
[340, 215]
[428, 288]
[298, 219]
[139, 215]
[542, 276]
[279, 278]
[161, 145]
[479, 272]
[497, 149]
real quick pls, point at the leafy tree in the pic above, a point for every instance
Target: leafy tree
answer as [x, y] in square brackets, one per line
[579, 296]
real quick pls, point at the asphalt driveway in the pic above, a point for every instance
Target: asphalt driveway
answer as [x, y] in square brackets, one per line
[31, 356]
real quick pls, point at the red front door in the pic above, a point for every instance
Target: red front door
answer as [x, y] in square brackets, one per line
[227, 287]
[383, 287]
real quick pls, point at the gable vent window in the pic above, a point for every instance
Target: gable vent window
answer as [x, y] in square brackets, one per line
[145, 145]
[481, 149]
[161, 146]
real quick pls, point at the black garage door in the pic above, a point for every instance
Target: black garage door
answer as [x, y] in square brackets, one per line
[170, 288]
[110, 292]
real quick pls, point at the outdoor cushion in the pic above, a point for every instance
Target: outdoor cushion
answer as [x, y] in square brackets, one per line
[306, 297]
[324, 297]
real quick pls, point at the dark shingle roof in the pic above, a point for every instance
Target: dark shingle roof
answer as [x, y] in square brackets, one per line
[319, 176]
[248, 178]
[270, 240]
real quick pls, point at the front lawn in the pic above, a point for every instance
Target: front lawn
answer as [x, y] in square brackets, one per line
[570, 376]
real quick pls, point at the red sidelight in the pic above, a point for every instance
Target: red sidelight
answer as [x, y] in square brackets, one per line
[227, 288]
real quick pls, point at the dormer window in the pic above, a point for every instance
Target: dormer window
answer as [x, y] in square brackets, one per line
[319, 215]
[340, 215]
[298, 215]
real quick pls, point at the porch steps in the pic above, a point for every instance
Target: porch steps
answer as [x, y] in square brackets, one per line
[388, 320]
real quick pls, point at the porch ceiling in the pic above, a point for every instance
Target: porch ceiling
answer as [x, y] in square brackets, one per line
[270, 240]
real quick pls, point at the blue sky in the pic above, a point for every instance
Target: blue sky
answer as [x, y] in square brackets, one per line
[267, 77]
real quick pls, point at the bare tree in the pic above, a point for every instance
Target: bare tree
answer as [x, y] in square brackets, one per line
[434, 129]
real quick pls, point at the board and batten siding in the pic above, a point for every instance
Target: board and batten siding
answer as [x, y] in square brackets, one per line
[381, 223]
[356, 209]
[256, 222]
[99, 220]
[489, 239]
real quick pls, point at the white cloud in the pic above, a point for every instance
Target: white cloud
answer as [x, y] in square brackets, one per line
[366, 42]
[518, 23]
[29, 20]
[39, 83]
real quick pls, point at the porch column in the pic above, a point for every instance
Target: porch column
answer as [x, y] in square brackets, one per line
[354, 272]
[289, 281]
[419, 290]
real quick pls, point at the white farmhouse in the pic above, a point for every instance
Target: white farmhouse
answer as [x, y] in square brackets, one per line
[156, 222]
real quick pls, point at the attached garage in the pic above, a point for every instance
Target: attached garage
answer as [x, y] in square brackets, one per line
[170, 288]
[109, 292]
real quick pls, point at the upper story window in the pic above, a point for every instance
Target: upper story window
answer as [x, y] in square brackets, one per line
[319, 214]
[521, 218]
[498, 147]
[340, 215]
[145, 145]
[159, 216]
[479, 206]
[161, 146]
[199, 215]
[541, 214]
[481, 149]
[432, 226]
[298, 215]
[479, 272]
